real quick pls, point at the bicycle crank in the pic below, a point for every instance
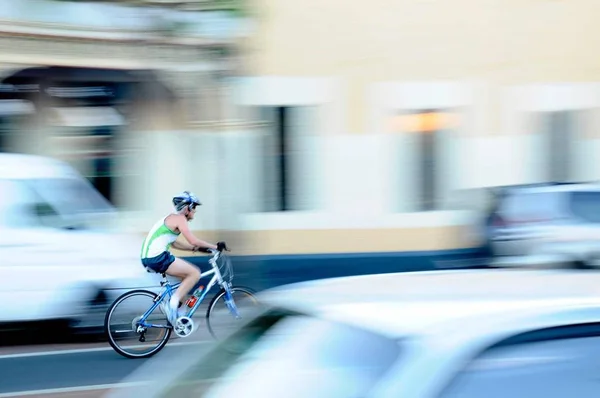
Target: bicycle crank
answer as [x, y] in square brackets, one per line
[184, 326]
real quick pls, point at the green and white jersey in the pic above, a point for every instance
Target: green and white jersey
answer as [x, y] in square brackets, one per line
[158, 240]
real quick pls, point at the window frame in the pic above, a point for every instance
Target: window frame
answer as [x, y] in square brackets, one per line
[568, 331]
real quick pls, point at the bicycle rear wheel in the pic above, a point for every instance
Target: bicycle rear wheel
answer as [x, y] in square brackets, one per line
[223, 318]
[121, 325]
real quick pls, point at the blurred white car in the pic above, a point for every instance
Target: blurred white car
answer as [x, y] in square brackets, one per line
[58, 258]
[394, 335]
[543, 224]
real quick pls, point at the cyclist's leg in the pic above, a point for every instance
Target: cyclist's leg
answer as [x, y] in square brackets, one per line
[189, 274]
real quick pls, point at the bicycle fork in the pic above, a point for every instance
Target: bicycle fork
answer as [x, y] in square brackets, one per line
[230, 302]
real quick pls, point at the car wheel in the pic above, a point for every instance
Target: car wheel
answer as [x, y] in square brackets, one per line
[585, 264]
[91, 321]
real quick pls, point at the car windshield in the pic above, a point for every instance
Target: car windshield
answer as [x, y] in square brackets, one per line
[70, 196]
[50, 202]
[290, 355]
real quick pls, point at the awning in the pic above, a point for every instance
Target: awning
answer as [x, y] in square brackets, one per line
[26, 82]
[71, 74]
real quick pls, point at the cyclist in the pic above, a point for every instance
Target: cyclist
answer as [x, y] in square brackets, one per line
[155, 254]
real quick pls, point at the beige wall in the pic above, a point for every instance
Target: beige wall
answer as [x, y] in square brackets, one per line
[498, 42]
[341, 240]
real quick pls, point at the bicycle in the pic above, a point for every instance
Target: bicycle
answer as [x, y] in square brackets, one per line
[222, 272]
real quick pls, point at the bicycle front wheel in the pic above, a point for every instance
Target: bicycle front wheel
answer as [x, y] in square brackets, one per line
[122, 325]
[223, 317]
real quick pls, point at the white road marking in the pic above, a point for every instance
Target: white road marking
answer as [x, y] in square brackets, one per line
[84, 350]
[67, 390]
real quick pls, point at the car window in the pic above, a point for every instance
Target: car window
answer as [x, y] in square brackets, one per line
[550, 369]
[70, 196]
[585, 205]
[296, 356]
[53, 203]
[66, 202]
[533, 207]
[19, 205]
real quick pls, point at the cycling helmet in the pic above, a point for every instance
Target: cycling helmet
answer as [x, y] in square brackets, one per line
[185, 199]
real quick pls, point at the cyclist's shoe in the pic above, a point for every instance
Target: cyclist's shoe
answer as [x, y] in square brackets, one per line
[172, 314]
[164, 308]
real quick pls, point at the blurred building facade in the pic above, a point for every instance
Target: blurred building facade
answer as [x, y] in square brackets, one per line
[322, 129]
[118, 89]
[407, 109]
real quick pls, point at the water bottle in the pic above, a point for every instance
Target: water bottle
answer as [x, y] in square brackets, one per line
[192, 300]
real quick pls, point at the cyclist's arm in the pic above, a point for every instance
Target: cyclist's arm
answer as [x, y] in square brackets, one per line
[185, 231]
[183, 246]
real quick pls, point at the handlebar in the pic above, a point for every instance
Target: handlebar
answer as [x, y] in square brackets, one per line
[221, 246]
[213, 261]
[211, 251]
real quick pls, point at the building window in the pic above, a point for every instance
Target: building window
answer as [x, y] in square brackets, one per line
[91, 150]
[275, 159]
[103, 174]
[13, 114]
[428, 142]
[558, 131]
[287, 153]
[4, 131]
[428, 128]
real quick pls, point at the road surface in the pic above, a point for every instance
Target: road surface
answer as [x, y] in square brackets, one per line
[82, 370]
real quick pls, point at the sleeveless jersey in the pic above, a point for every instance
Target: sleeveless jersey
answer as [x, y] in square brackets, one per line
[158, 240]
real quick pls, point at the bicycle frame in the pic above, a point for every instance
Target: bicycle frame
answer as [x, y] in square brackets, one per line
[170, 289]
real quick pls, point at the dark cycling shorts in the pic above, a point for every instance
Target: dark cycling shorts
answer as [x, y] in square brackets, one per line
[160, 263]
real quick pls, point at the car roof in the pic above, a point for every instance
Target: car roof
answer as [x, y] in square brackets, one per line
[404, 304]
[536, 188]
[26, 166]
[446, 317]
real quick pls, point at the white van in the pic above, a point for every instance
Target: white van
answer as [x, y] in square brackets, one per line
[59, 259]
[546, 224]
